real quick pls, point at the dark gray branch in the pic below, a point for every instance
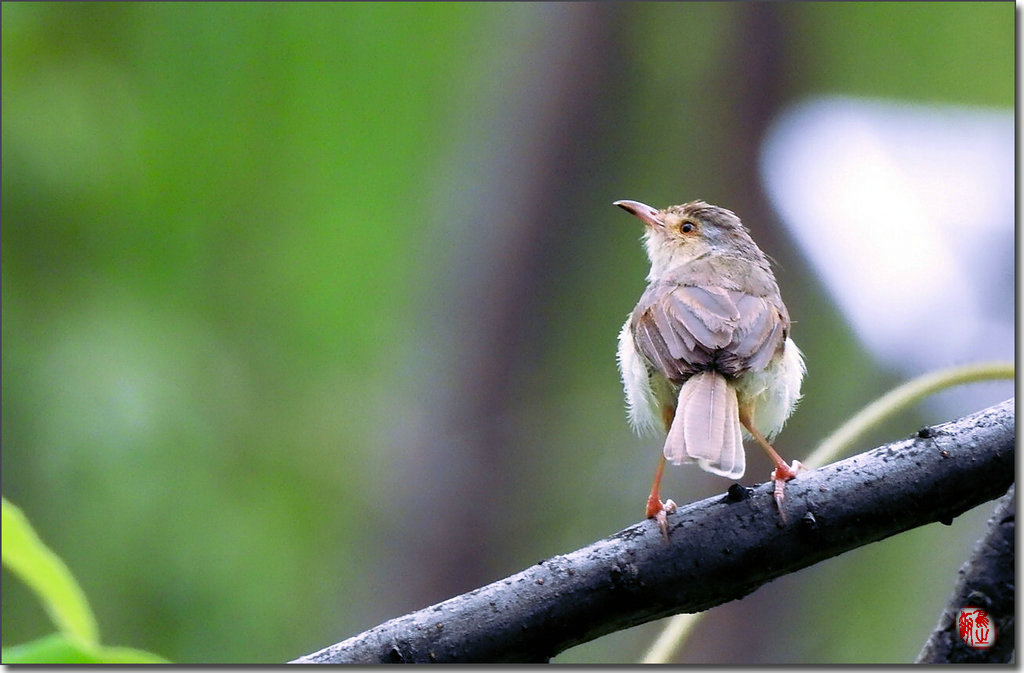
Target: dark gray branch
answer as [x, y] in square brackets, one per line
[721, 549]
[986, 582]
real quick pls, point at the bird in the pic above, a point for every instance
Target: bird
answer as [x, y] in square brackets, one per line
[706, 354]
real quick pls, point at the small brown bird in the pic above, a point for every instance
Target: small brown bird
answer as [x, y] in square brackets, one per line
[707, 351]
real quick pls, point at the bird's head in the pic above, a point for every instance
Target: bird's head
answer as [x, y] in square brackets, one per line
[680, 234]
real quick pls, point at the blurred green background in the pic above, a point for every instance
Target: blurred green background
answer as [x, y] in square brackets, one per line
[309, 310]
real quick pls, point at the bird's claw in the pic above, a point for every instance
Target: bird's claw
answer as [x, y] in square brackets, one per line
[660, 515]
[781, 475]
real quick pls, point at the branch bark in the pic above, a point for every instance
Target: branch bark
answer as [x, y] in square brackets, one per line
[986, 582]
[720, 549]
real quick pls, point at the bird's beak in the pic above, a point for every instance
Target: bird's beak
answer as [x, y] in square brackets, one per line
[648, 215]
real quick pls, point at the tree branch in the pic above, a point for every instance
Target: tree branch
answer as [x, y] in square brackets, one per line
[721, 549]
[986, 582]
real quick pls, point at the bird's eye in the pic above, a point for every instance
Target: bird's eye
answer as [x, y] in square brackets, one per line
[686, 227]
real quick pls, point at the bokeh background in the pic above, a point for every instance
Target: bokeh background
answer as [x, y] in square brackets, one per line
[309, 310]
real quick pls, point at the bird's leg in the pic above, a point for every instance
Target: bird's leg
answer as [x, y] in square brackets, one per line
[653, 500]
[782, 472]
[656, 509]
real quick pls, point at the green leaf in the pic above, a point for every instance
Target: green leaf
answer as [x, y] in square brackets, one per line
[52, 649]
[56, 648]
[26, 556]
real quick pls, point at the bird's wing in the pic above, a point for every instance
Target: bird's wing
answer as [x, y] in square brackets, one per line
[683, 329]
[760, 333]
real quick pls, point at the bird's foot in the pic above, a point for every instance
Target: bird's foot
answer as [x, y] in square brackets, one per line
[658, 510]
[782, 474]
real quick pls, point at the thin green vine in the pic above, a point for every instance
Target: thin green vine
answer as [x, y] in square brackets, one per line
[898, 399]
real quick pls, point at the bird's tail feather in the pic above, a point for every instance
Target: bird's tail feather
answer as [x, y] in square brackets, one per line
[706, 427]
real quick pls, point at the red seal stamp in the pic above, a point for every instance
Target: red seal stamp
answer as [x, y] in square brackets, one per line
[975, 628]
